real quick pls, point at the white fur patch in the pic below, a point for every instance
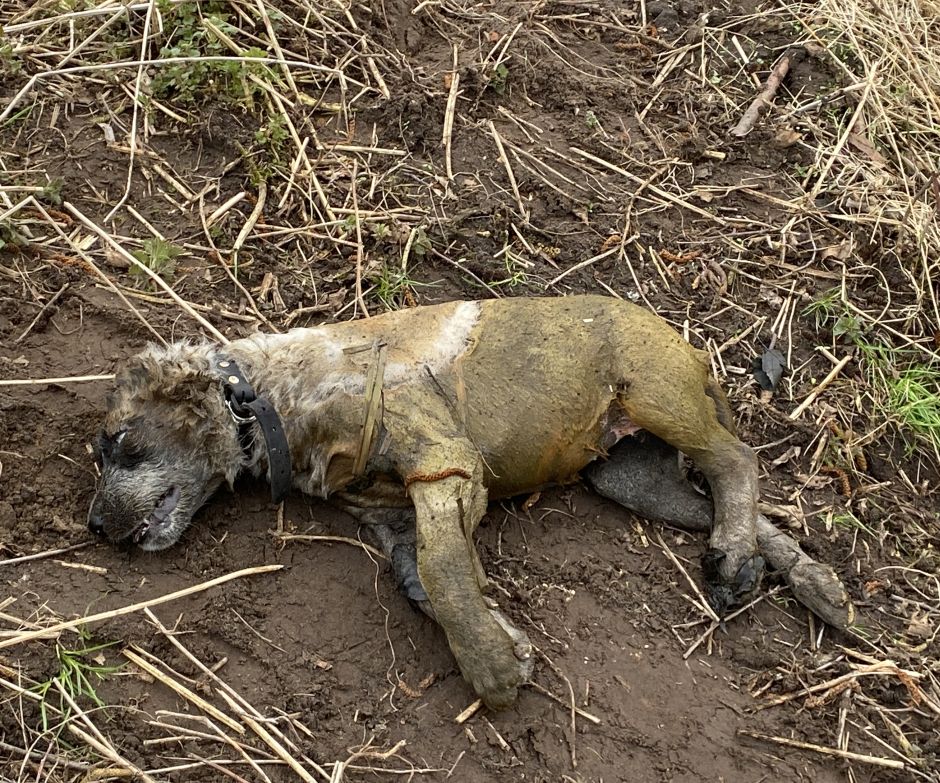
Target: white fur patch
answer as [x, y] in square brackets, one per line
[324, 351]
[452, 338]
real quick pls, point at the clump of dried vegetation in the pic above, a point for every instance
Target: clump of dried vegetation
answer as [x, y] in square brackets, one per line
[363, 216]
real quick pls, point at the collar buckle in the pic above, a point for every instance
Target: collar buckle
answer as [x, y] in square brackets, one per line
[246, 407]
[238, 418]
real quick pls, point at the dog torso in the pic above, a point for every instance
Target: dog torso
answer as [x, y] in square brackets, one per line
[537, 388]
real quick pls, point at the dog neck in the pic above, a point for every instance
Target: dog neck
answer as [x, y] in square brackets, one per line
[318, 418]
[252, 412]
[327, 383]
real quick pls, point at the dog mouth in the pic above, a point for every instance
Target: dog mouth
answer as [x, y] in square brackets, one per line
[158, 517]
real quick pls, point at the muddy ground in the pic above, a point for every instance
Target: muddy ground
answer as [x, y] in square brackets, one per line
[325, 648]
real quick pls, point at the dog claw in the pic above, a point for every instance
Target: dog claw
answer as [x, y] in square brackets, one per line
[724, 595]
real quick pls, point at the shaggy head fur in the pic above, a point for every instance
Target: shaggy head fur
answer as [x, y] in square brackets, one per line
[167, 444]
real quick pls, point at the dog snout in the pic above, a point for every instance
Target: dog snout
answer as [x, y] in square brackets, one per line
[96, 523]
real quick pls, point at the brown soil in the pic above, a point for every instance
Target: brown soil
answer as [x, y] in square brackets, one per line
[327, 640]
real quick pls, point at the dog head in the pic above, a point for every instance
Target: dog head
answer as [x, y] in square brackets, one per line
[167, 444]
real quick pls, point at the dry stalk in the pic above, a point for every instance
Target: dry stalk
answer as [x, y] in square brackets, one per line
[842, 754]
[131, 259]
[46, 381]
[176, 686]
[94, 618]
[279, 750]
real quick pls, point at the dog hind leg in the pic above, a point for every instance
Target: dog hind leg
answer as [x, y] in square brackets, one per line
[642, 474]
[684, 412]
[398, 542]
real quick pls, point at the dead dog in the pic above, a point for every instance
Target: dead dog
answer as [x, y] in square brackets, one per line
[413, 420]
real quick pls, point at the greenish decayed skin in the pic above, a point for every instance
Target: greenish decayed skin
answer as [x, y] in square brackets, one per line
[531, 400]
[479, 400]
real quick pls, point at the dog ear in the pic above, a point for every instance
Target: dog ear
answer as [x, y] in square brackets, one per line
[178, 374]
[187, 380]
[132, 382]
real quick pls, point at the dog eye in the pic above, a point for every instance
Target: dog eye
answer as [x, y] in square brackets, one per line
[129, 458]
[127, 453]
[112, 449]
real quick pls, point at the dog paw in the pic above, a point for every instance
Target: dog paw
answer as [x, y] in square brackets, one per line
[725, 588]
[497, 679]
[498, 663]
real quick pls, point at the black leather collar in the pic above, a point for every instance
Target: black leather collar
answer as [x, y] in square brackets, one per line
[246, 408]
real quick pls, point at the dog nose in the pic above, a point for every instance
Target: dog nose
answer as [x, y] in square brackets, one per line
[96, 524]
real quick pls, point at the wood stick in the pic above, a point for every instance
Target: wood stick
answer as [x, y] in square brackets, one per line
[94, 618]
[766, 96]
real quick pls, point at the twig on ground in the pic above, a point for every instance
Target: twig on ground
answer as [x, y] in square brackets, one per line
[231, 694]
[110, 753]
[250, 223]
[766, 96]
[337, 539]
[504, 159]
[279, 750]
[45, 309]
[359, 248]
[545, 692]
[47, 381]
[842, 754]
[580, 265]
[46, 553]
[889, 668]
[449, 113]
[833, 373]
[94, 618]
[182, 690]
[135, 111]
[573, 728]
[702, 601]
[469, 712]
[131, 259]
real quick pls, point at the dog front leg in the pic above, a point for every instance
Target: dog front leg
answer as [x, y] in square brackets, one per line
[494, 657]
